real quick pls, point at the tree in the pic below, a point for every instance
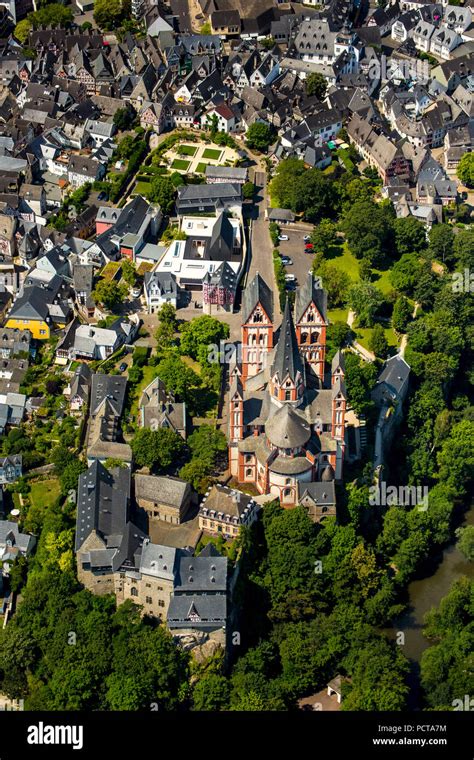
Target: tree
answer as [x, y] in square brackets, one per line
[406, 272]
[456, 457]
[129, 272]
[317, 85]
[198, 474]
[464, 248]
[441, 241]
[260, 136]
[324, 235]
[156, 449]
[369, 229]
[401, 314]
[379, 679]
[360, 379]
[126, 147]
[465, 169]
[211, 693]
[202, 335]
[365, 299]
[165, 333]
[70, 475]
[109, 293]
[248, 190]
[22, 30]
[338, 334]
[162, 191]
[124, 118]
[410, 235]
[378, 342]
[177, 377]
[108, 13]
[52, 15]
[207, 444]
[335, 281]
[365, 270]
[466, 541]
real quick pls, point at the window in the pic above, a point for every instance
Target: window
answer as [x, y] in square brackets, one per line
[287, 492]
[148, 585]
[161, 603]
[287, 395]
[133, 591]
[248, 471]
[148, 599]
[287, 481]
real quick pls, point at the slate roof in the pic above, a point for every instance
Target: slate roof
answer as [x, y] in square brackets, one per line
[323, 494]
[102, 502]
[257, 292]
[165, 490]
[287, 429]
[201, 574]
[310, 292]
[287, 361]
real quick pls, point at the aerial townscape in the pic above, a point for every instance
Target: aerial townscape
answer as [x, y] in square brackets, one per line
[236, 355]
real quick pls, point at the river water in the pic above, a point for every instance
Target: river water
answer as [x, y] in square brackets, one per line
[427, 593]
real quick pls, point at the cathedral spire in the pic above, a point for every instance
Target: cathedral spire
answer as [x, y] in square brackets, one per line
[287, 369]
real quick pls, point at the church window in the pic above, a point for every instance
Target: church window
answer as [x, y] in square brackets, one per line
[304, 337]
[287, 492]
[248, 471]
[287, 481]
[133, 591]
[314, 337]
[310, 317]
[287, 395]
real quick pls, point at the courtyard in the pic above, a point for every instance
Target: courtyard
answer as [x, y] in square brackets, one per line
[193, 158]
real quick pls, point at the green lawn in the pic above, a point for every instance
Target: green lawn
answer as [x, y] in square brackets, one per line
[211, 153]
[180, 164]
[142, 188]
[342, 257]
[364, 333]
[338, 315]
[187, 150]
[201, 168]
[45, 492]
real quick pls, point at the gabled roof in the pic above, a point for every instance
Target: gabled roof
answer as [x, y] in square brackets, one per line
[256, 293]
[310, 292]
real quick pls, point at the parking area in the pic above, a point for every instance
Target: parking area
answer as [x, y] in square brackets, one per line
[294, 248]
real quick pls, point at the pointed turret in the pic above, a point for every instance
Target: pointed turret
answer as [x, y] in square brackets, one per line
[287, 371]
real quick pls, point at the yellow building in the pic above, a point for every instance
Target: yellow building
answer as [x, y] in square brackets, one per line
[37, 310]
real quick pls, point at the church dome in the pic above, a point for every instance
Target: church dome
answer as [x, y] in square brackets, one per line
[287, 429]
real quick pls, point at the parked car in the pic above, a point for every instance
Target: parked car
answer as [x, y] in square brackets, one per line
[290, 278]
[283, 237]
[309, 250]
[290, 285]
[307, 238]
[286, 261]
[136, 291]
[122, 367]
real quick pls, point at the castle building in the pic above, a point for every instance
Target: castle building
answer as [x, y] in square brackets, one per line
[286, 418]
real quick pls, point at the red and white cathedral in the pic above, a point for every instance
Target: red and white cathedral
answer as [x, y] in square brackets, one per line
[286, 418]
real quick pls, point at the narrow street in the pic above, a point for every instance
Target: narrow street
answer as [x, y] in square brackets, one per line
[260, 244]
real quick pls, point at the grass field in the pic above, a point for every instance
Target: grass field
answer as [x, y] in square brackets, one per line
[45, 492]
[187, 150]
[180, 164]
[211, 153]
[338, 315]
[364, 333]
[341, 257]
[142, 188]
[201, 168]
